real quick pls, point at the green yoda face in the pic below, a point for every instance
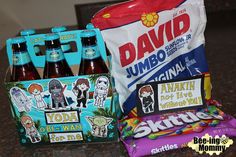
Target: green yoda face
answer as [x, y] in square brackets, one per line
[99, 125]
[99, 120]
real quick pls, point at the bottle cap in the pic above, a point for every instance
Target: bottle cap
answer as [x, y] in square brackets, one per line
[87, 33]
[18, 40]
[52, 36]
[58, 29]
[89, 26]
[26, 32]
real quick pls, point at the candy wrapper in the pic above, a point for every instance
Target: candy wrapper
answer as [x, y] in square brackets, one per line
[155, 134]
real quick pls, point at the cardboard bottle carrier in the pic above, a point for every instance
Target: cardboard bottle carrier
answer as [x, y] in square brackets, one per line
[70, 122]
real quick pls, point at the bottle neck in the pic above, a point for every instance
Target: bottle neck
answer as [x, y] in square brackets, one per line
[19, 47]
[21, 58]
[90, 52]
[54, 55]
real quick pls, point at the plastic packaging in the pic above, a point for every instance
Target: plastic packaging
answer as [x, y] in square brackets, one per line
[154, 41]
[173, 130]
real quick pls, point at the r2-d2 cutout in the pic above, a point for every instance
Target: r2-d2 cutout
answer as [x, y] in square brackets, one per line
[101, 91]
[20, 99]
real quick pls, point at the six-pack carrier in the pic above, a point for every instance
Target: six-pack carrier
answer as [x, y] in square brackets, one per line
[60, 109]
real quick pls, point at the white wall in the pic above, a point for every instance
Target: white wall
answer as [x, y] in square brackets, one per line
[21, 14]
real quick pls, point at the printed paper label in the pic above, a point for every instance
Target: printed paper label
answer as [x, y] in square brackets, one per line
[62, 117]
[175, 95]
[156, 97]
[65, 137]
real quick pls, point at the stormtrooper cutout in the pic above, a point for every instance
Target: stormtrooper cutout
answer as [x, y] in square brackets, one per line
[101, 91]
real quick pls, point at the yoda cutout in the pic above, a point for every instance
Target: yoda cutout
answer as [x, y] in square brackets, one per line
[99, 125]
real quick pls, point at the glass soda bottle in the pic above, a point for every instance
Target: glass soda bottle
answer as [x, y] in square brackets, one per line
[28, 32]
[108, 57]
[23, 68]
[56, 65]
[64, 46]
[91, 60]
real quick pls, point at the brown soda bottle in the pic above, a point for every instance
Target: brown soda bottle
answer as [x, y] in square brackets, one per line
[91, 60]
[56, 65]
[64, 46]
[23, 68]
[108, 57]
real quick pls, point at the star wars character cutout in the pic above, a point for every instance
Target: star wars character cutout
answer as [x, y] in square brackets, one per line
[147, 98]
[36, 90]
[99, 125]
[20, 99]
[30, 129]
[57, 94]
[81, 88]
[101, 91]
